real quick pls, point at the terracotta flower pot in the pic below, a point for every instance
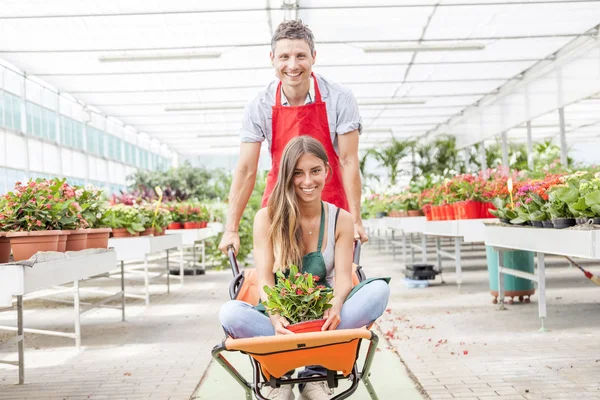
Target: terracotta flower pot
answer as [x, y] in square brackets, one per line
[4, 249]
[97, 238]
[175, 225]
[77, 240]
[26, 244]
[147, 232]
[415, 213]
[159, 231]
[307, 326]
[122, 232]
[62, 241]
[190, 225]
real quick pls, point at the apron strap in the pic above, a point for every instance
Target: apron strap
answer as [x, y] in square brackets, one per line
[321, 228]
[317, 92]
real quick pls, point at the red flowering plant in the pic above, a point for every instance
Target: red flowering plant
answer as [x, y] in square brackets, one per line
[41, 204]
[298, 297]
[532, 201]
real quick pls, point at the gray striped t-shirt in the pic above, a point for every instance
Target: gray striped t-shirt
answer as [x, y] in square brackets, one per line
[342, 112]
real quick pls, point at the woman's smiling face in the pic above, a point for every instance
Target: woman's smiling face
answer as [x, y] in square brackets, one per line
[310, 175]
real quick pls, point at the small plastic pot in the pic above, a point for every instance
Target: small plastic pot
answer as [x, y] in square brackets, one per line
[561, 223]
[307, 326]
[547, 224]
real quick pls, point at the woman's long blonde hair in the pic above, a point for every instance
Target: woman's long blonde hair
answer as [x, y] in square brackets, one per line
[285, 233]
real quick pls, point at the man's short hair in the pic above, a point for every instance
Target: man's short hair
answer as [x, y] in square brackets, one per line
[293, 29]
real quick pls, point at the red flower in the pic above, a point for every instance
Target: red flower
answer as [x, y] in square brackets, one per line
[38, 223]
[316, 278]
[299, 292]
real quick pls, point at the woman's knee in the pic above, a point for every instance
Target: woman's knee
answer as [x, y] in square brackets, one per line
[230, 312]
[378, 296]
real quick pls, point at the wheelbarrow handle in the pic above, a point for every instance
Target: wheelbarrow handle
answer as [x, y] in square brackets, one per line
[357, 245]
[232, 260]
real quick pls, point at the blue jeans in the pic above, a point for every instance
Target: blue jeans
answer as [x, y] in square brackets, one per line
[240, 320]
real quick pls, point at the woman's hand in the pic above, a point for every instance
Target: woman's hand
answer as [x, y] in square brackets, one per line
[332, 316]
[280, 324]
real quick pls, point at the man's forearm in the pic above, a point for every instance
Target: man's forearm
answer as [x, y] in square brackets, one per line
[240, 192]
[352, 186]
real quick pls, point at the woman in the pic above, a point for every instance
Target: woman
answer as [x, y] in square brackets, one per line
[301, 229]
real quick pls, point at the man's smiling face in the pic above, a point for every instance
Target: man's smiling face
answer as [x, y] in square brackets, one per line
[293, 62]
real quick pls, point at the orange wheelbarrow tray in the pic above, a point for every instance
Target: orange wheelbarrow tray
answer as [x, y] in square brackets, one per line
[273, 356]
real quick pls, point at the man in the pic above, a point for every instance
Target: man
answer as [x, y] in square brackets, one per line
[298, 103]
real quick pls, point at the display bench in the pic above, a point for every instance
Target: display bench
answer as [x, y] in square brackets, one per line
[45, 271]
[190, 238]
[139, 248]
[462, 231]
[407, 227]
[562, 242]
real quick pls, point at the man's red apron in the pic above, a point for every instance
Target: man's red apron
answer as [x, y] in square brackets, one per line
[311, 120]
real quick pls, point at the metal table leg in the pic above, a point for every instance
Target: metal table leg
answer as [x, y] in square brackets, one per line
[393, 245]
[424, 249]
[458, 264]
[146, 280]
[77, 315]
[168, 274]
[501, 279]
[181, 264]
[122, 292]
[21, 342]
[438, 249]
[541, 289]
[404, 255]
[203, 257]
[412, 250]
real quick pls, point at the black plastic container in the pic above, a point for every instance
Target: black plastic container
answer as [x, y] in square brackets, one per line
[561, 223]
[420, 271]
[547, 224]
[537, 224]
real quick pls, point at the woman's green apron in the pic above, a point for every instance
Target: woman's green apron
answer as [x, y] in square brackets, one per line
[314, 264]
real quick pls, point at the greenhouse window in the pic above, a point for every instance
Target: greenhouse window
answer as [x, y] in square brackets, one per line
[12, 111]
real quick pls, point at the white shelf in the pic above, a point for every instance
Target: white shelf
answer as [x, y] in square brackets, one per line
[406, 224]
[471, 230]
[190, 237]
[137, 248]
[567, 242]
[18, 280]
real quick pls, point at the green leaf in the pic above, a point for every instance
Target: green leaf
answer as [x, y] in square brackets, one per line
[593, 198]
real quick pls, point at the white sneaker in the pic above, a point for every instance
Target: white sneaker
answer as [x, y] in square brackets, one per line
[281, 393]
[317, 391]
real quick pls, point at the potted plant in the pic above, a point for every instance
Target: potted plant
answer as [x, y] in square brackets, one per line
[160, 220]
[4, 241]
[93, 207]
[28, 215]
[300, 299]
[147, 214]
[125, 221]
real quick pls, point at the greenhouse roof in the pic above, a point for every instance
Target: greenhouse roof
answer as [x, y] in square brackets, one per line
[181, 71]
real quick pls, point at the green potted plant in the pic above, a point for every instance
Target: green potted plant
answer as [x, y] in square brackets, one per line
[300, 299]
[160, 219]
[125, 221]
[93, 205]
